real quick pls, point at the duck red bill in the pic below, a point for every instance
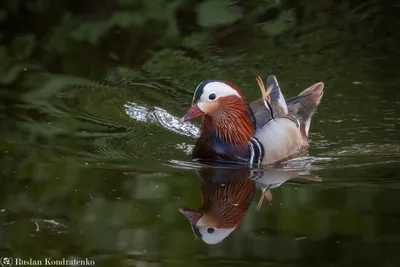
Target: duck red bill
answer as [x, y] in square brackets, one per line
[192, 215]
[193, 113]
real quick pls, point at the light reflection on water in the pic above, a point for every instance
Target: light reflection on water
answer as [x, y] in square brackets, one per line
[161, 117]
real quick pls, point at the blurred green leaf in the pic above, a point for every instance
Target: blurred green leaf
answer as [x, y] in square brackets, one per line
[127, 3]
[155, 9]
[22, 46]
[126, 19]
[38, 6]
[213, 13]
[59, 38]
[9, 75]
[285, 21]
[172, 29]
[12, 5]
[4, 57]
[3, 15]
[90, 31]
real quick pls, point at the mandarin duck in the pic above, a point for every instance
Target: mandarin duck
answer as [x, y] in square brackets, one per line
[226, 194]
[266, 131]
[225, 197]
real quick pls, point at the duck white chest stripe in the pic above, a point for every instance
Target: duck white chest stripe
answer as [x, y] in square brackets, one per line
[252, 152]
[256, 151]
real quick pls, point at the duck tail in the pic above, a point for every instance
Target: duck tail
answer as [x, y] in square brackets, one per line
[305, 104]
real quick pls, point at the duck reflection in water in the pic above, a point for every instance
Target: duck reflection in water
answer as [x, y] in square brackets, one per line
[226, 195]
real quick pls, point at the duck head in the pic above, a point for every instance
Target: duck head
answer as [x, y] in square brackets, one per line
[224, 109]
[206, 227]
[224, 204]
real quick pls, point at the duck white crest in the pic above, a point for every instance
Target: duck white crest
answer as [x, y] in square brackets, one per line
[220, 89]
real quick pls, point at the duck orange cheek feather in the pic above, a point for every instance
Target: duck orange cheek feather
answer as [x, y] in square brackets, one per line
[210, 107]
[193, 113]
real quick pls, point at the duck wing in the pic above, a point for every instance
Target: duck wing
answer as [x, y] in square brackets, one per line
[271, 105]
[278, 102]
[305, 104]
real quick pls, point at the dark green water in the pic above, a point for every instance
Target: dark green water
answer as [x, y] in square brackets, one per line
[94, 163]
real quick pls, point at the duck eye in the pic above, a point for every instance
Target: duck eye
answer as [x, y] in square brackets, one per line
[212, 97]
[210, 230]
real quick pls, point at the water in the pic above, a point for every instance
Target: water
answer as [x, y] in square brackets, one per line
[94, 163]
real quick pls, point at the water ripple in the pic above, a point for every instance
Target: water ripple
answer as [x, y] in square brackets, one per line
[161, 117]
